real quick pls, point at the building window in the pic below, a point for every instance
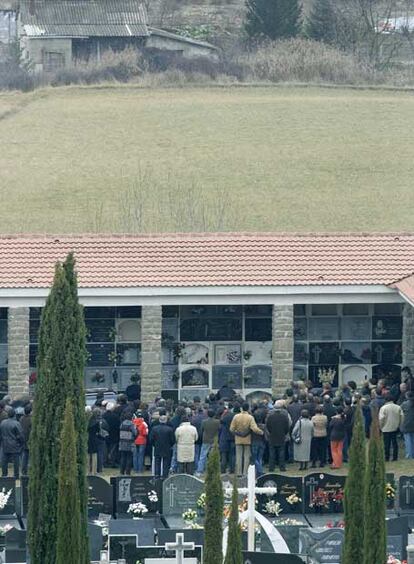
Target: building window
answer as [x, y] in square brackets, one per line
[53, 62]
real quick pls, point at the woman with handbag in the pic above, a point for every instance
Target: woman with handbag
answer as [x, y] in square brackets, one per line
[302, 439]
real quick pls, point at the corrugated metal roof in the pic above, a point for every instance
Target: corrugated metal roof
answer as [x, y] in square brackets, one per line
[184, 39]
[105, 18]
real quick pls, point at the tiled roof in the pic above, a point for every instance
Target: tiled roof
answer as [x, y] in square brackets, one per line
[218, 259]
[84, 18]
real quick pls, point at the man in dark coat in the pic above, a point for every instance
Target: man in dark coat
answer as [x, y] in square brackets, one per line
[12, 441]
[26, 423]
[163, 438]
[277, 426]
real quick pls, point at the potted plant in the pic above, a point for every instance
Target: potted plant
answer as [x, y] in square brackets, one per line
[189, 517]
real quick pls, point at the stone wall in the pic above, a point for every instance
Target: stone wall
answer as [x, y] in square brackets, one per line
[151, 352]
[408, 336]
[282, 348]
[18, 351]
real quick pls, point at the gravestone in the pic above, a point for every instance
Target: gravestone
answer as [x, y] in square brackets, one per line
[16, 545]
[11, 508]
[330, 483]
[406, 494]
[180, 492]
[100, 496]
[270, 558]
[287, 486]
[134, 489]
[96, 541]
[322, 547]
[397, 537]
[190, 535]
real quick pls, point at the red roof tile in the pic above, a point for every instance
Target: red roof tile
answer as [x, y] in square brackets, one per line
[218, 259]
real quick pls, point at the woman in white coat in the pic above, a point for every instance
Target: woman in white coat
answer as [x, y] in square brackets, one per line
[186, 436]
[302, 438]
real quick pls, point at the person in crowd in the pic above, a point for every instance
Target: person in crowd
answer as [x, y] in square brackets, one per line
[258, 441]
[226, 441]
[197, 419]
[93, 439]
[163, 439]
[175, 422]
[408, 378]
[277, 428]
[403, 393]
[407, 427]
[320, 437]
[367, 414]
[337, 436]
[112, 420]
[225, 393]
[127, 434]
[390, 419]
[349, 421]
[378, 400]
[209, 431]
[26, 424]
[140, 441]
[12, 441]
[242, 425]
[302, 439]
[186, 436]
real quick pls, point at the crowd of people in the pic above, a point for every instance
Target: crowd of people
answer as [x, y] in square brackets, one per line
[309, 426]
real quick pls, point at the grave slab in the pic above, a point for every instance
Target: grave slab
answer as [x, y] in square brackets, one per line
[321, 547]
[406, 494]
[270, 558]
[330, 483]
[16, 548]
[287, 486]
[100, 497]
[180, 492]
[397, 537]
[134, 489]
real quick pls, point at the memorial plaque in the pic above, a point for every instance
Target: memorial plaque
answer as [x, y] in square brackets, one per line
[387, 328]
[332, 485]
[289, 493]
[16, 549]
[230, 375]
[180, 492]
[270, 558]
[259, 376]
[100, 496]
[134, 489]
[10, 509]
[397, 537]
[406, 494]
[169, 376]
[322, 547]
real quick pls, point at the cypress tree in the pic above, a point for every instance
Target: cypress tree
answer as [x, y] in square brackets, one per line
[272, 19]
[68, 503]
[375, 536]
[353, 549]
[60, 366]
[213, 524]
[321, 24]
[234, 540]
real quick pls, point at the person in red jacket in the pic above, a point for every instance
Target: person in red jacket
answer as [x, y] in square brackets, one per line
[140, 441]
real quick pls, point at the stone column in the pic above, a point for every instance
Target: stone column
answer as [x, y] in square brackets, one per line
[151, 352]
[408, 336]
[282, 348]
[18, 351]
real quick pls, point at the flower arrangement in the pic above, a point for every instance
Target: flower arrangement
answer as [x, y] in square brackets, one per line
[393, 560]
[389, 491]
[273, 508]
[293, 499]
[153, 496]
[320, 498]
[189, 515]
[326, 376]
[4, 529]
[338, 496]
[201, 501]
[4, 498]
[288, 522]
[137, 509]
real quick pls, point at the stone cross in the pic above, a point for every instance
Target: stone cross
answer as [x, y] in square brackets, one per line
[408, 487]
[179, 546]
[312, 483]
[171, 490]
[251, 492]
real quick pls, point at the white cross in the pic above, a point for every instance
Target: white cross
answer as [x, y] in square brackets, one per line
[179, 546]
[171, 489]
[251, 492]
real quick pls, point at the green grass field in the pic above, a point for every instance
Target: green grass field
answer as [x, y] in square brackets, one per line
[124, 158]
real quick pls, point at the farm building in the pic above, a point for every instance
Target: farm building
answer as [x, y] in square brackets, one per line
[54, 34]
[188, 313]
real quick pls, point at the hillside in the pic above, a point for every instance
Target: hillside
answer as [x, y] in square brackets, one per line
[282, 158]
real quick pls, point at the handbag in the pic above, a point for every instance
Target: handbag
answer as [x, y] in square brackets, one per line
[297, 439]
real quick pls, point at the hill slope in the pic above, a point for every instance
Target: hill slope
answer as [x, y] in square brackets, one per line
[127, 159]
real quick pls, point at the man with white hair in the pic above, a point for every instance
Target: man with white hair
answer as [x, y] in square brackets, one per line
[277, 425]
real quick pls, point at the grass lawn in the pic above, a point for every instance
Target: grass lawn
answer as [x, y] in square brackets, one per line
[93, 159]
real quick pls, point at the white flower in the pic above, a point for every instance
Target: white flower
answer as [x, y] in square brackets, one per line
[4, 498]
[5, 528]
[273, 508]
[152, 496]
[190, 515]
[138, 509]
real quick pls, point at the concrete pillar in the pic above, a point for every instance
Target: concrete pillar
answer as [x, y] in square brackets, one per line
[408, 336]
[282, 348]
[18, 351]
[151, 360]
[410, 554]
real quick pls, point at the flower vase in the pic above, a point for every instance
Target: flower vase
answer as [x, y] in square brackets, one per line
[188, 524]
